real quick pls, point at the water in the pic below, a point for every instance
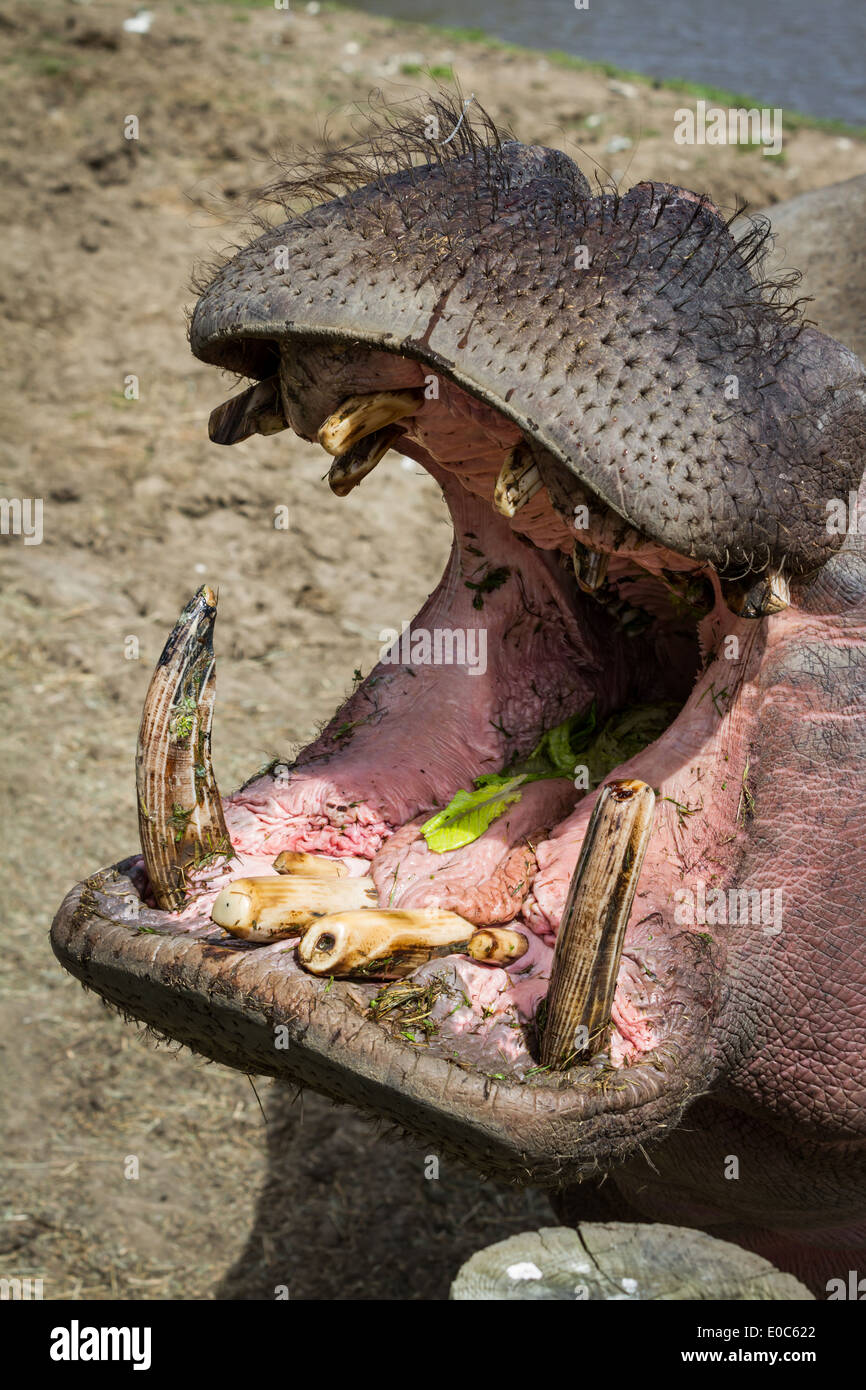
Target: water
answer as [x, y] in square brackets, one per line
[809, 55]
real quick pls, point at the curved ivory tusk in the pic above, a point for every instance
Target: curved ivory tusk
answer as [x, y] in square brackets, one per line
[180, 815]
[592, 930]
[359, 416]
[352, 467]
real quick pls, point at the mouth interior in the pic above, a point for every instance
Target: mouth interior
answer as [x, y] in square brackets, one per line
[537, 650]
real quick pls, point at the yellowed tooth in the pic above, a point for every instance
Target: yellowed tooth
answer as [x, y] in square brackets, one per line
[518, 481]
[309, 865]
[385, 944]
[589, 944]
[769, 594]
[349, 469]
[268, 909]
[497, 945]
[359, 416]
[590, 567]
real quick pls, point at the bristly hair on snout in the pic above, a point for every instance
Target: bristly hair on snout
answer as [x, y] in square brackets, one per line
[443, 129]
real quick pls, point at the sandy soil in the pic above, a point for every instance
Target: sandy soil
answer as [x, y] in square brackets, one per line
[101, 236]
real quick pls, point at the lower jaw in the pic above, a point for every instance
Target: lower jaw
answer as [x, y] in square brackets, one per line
[481, 1015]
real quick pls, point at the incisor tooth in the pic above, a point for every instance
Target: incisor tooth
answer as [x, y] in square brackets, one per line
[269, 909]
[589, 945]
[258, 410]
[180, 815]
[387, 944]
[590, 567]
[349, 469]
[497, 945]
[309, 865]
[518, 481]
[359, 416]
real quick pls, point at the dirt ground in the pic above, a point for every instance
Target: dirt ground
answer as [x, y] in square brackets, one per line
[101, 234]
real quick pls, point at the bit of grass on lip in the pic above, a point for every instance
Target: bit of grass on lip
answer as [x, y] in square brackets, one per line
[409, 1005]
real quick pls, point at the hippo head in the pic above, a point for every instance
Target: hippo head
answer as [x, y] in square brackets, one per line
[648, 639]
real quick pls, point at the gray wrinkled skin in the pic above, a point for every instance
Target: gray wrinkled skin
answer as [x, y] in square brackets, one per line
[620, 370]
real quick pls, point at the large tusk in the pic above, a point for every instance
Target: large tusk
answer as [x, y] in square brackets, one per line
[770, 594]
[518, 481]
[268, 909]
[258, 410]
[349, 469]
[589, 945]
[359, 416]
[180, 815]
[387, 944]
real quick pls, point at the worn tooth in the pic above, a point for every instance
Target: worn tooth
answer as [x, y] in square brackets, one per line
[180, 815]
[387, 944]
[309, 865]
[518, 481]
[258, 410]
[590, 567]
[268, 909]
[497, 945]
[770, 594]
[591, 933]
[349, 469]
[359, 416]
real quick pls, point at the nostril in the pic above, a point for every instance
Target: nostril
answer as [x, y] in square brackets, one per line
[326, 942]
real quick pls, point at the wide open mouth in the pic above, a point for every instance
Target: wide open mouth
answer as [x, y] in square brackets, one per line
[618, 414]
[556, 656]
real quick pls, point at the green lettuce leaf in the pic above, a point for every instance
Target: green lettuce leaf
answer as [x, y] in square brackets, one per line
[557, 753]
[468, 814]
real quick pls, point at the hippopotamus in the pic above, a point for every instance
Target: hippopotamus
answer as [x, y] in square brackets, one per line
[652, 463]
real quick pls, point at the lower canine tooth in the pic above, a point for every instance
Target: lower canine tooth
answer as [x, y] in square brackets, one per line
[269, 909]
[590, 567]
[518, 481]
[258, 410]
[349, 469]
[180, 815]
[309, 865]
[589, 945]
[359, 416]
[385, 944]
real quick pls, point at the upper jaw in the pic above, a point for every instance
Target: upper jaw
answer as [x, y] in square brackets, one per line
[663, 375]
